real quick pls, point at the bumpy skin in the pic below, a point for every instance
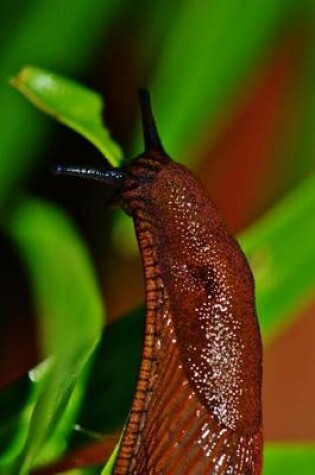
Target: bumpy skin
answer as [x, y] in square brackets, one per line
[197, 407]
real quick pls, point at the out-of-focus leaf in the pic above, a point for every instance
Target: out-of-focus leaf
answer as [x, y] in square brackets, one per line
[300, 148]
[10, 18]
[204, 57]
[109, 387]
[160, 19]
[54, 34]
[90, 455]
[289, 459]
[70, 316]
[70, 103]
[123, 236]
[281, 251]
[112, 378]
[13, 404]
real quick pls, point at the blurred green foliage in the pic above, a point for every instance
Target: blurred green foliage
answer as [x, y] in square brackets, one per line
[200, 67]
[14, 400]
[280, 248]
[205, 52]
[67, 301]
[289, 459]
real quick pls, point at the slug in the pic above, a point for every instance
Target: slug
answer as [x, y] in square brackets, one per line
[197, 404]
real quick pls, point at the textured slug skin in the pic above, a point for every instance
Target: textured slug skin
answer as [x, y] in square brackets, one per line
[197, 406]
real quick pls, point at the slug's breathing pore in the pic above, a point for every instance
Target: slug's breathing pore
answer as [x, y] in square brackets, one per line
[197, 405]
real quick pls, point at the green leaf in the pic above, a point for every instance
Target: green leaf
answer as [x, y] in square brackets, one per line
[70, 316]
[289, 459]
[54, 34]
[280, 249]
[107, 470]
[70, 103]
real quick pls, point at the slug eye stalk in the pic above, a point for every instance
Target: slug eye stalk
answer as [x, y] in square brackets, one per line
[151, 137]
[113, 177]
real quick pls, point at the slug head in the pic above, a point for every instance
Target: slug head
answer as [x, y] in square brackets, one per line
[139, 171]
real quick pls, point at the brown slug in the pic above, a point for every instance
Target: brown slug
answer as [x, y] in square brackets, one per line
[197, 405]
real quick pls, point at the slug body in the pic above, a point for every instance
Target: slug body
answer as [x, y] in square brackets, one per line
[197, 405]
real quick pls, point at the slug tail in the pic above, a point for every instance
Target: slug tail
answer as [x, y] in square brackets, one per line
[170, 432]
